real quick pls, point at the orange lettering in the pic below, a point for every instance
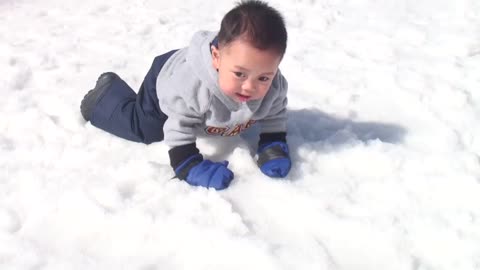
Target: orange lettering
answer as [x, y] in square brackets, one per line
[215, 130]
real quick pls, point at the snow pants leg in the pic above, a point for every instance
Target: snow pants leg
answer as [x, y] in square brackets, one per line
[132, 116]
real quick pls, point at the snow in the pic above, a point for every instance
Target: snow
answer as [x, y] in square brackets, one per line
[383, 127]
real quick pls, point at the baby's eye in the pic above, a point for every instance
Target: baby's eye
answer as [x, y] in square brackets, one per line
[264, 79]
[239, 74]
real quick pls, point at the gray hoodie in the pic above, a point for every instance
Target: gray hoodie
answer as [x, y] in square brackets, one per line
[189, 95]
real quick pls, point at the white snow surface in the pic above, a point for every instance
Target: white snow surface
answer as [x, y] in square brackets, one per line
[384, 130]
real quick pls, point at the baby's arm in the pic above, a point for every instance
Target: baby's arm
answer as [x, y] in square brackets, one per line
[185, 158]
[273, 157]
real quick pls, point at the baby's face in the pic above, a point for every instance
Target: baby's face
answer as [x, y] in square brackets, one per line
[244, 72]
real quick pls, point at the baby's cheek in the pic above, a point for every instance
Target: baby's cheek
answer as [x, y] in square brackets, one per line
[228, 87]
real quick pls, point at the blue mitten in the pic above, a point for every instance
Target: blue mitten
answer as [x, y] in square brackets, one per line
[206, 173]
[273, 159]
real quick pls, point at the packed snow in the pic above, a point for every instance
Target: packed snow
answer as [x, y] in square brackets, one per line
[384, 130]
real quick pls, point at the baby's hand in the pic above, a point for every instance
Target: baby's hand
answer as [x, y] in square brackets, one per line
[273, 159]
[207, 174]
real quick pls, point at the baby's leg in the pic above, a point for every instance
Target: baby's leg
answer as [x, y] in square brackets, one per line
[114, 107]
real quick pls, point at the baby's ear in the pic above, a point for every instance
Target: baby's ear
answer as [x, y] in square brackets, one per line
[215, 57]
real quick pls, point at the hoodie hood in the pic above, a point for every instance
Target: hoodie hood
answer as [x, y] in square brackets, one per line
[199, 55]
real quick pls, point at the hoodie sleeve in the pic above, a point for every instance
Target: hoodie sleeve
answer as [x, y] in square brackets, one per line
[183, 117]
[276, 119]
[183, 98]
[179, 128]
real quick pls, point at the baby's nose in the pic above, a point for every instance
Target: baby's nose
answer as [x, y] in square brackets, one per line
[248, 86]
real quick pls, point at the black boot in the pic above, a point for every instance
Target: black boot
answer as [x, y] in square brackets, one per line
[93, 96]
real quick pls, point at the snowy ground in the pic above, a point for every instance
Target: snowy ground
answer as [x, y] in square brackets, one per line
[384, 129]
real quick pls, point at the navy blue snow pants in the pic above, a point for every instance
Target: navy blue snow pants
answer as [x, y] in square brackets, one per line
[132, 116]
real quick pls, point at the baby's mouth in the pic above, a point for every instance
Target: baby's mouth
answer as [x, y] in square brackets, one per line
[242, 98]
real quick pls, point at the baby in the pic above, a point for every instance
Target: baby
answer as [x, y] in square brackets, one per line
[220, 85]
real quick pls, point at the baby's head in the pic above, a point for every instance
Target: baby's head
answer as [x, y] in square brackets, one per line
[251, 43]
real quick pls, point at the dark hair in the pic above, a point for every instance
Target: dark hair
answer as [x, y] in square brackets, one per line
[255, 21]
